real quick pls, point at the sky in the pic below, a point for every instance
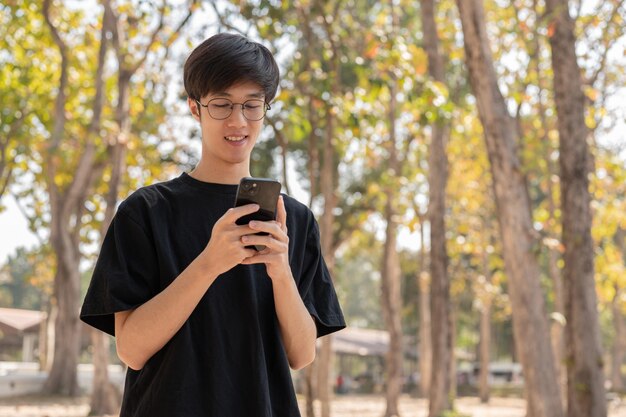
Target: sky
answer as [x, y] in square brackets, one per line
[14, 230]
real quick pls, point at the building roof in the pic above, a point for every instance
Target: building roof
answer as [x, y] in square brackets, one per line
[362, 342]
[20, 320]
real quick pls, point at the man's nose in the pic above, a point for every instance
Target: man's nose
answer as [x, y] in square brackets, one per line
[236, 117]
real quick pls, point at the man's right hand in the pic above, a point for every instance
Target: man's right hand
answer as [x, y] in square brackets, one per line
[225, 249]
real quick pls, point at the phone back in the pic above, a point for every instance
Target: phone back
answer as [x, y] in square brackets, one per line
[261, 191]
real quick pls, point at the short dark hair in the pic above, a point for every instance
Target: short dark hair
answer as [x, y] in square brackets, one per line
[226, 59]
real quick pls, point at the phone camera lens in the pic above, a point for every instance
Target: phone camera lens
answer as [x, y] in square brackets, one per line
[253, 189]
[250, 188]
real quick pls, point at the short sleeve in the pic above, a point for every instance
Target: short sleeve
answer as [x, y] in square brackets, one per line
[316, 286]
[125, 274]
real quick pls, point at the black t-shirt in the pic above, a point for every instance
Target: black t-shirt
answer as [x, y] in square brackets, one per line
[228, 359]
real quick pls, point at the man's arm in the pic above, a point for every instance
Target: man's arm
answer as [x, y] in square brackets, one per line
[297, 327]
[142, 332]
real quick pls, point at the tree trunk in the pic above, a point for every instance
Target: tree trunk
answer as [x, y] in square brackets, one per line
[62, 378]
[439, 395]
[46, 337]
[513, 207]
[391, 311]
[453, 367]
[390, 274]
[310, 388]
[326, 230]
[557, 324]
[425, 340]
[585, 387]
[619, 344]
[484, 355]
[105, 397]
[617, 357]
[485, 295]
[325, 375]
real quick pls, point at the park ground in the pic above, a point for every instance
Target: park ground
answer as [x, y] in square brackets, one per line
[343, 406]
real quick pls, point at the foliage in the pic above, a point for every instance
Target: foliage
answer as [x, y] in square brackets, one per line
[25, 279]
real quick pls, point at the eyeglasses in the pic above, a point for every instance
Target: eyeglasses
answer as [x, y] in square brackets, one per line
[222, 108]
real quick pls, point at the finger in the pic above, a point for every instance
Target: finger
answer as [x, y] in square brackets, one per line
[258, 259]
[268, 241]
[272, 227]
[250, 252]
[244, 230]
[236, 212]
[281, 216]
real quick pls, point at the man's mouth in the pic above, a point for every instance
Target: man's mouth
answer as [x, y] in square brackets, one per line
[235, 138]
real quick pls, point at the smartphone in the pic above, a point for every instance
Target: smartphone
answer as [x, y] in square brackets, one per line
[261, 191]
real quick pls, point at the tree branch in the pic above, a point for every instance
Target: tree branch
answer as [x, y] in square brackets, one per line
[155, 34]
[223, 21]
[80, 183]
[153, 37]
[98, 101]
[282, 142]
[193, 5]
[22, 210]
[6, 170]
[59, 104]
[607, 45]
[532, 56]
[5, 180]
[59, 115]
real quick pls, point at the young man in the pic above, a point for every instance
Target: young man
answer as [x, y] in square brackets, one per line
[208, 327]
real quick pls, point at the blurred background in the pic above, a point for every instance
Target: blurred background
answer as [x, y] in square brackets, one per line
[466, 161]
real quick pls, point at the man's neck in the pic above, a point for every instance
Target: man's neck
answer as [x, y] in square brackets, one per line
[220, 174]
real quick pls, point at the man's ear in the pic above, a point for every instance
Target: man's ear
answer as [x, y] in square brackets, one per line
[194, 108]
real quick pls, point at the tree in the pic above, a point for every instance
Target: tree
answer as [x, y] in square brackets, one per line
[425, 334]
[609, 234]
[513, 205]
[585, 379]
[22, 84]
[22, 285]
[390, 271]
[441, 328]
[67, 205]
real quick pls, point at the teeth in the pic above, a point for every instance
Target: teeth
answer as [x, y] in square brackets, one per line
[234, 138]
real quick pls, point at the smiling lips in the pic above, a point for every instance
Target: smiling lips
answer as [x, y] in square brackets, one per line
[235, 139]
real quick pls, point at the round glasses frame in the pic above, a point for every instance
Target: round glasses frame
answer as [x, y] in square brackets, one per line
[266, 107]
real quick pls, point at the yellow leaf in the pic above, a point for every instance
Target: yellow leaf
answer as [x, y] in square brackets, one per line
[420, 60]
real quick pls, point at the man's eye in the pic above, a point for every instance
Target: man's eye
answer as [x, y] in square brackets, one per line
[221, 105]
[252, 106]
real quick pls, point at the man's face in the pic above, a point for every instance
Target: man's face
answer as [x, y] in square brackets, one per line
[230, 140]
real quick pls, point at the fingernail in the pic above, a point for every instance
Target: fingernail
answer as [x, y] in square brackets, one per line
[245, 238]
[253, 224]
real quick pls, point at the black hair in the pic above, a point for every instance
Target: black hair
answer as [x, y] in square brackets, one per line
[226, 59]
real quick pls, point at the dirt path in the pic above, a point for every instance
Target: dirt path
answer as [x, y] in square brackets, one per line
[343, 406]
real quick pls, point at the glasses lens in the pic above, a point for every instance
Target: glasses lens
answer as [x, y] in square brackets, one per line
[254, 109]
[220, 108]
